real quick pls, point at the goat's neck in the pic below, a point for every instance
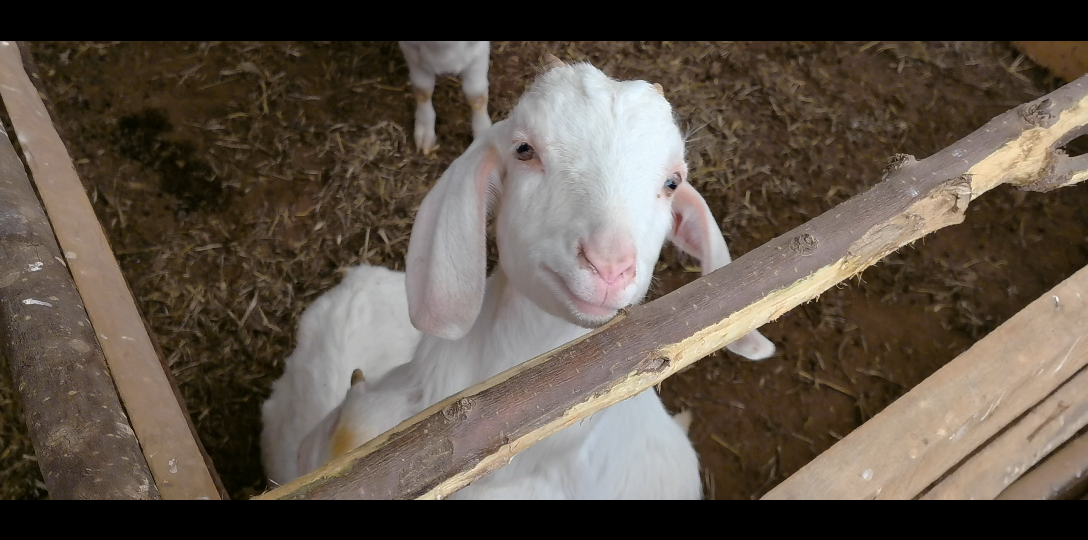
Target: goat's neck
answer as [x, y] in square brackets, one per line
[510, 329]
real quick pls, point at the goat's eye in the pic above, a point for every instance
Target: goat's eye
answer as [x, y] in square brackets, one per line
[673, 181]
[525, 152]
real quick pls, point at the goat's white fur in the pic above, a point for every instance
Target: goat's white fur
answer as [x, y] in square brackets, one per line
[428, 59]
[603, 151]
[362, 323]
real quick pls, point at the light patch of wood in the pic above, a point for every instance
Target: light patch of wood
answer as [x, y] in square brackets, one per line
[1021, 161]
[732, 328]
[1062, 474]
[986, 474]
[1067, 59]
[920, 436]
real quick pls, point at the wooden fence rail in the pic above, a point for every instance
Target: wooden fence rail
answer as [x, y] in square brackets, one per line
[914, 442]
[82, 437]
[113, 329]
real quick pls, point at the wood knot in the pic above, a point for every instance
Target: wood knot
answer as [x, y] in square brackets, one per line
[897, 162]
[958, 189]
[458, 410]
[1037, 114]
[1048, 179]
[655, 364]
[804, 244]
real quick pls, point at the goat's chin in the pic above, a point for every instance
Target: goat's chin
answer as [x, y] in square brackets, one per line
[560, 306]
[591, 323]
[588, 315]
[557, 299]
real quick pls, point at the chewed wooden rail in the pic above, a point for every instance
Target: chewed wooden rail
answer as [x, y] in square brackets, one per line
[447, 446]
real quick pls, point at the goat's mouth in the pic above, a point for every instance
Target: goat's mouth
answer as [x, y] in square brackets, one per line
[594, 313]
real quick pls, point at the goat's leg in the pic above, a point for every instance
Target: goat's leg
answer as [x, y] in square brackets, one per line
[422, 89]
[474, 85]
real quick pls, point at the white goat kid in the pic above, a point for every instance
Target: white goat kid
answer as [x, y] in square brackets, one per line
[428, 59]
[361, 324]
[587, 180]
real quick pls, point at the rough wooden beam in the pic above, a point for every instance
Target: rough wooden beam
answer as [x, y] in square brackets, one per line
[925, 433]
[480, 429]
[1049, 424]
[31, 69]
[1066, 59]
[158, 419]
[1064, 475]
[83, 441]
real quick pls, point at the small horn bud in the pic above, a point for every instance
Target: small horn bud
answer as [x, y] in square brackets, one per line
[551, 62]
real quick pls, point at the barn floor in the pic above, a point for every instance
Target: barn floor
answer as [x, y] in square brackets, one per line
[235, 179]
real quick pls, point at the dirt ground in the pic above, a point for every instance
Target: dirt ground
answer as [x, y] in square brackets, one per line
[234, 180]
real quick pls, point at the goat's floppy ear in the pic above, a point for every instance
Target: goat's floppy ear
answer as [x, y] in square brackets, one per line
[696, 232]
[446, 265]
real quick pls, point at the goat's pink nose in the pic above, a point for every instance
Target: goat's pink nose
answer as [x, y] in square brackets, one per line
[615, 266]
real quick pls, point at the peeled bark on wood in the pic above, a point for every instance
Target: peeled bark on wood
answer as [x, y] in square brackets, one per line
[83, 441]
[478, 430]
[160, 422]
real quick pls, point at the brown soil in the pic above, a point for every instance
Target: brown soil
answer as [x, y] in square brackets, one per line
[235, 179]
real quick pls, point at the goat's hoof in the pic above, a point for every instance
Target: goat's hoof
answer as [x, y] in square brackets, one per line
[426, 142]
